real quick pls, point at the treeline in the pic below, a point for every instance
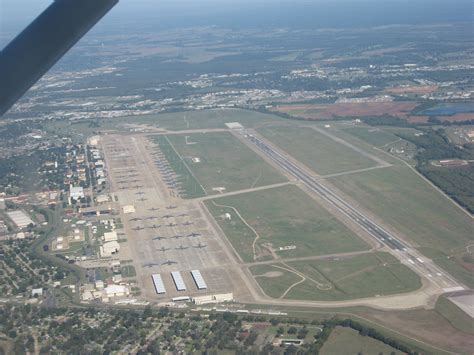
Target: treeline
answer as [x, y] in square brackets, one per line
[455, 181]
[434, 145]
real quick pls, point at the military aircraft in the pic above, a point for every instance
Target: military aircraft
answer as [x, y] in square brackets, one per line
[169, 262]
[136, 219]
[140, 193]
[194, 235]
[183, 215]
[142, 199]
[154, 209]
[150, 265]
[178, 236]
[200, 246]
[171, 207]
[163, 249]
[187, 223]
[159, 238]
[139, 228]
[151, 217]
[168, 216]
[171, 224]
[181, 248]
[155, 226]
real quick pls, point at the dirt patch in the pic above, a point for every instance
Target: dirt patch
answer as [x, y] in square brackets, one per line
[418, 119]
[272, 274]
[428, 326]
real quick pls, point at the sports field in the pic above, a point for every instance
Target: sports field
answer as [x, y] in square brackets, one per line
[368, 275]
[219, 160]
[284, 216]
[317, 151]
[349, 341]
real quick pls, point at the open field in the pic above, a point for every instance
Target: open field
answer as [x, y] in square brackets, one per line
[176, 121]
[407, 202]
[410, 205]
[354, 277]
[330, 111]
[374, 136]
[317, 151]
[348, 341]
[273, 279]
[303, 224]
[454, 315]
[224, 162]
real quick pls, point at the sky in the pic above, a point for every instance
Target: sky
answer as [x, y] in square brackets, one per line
[16, 14]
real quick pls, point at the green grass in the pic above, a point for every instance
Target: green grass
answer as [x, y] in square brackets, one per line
[128, 271]
[345, 341]
[190, 185]
[317, 151]
[404, 200]
[449, 263]
[357, 277]
[454, 315]
[170, 121]
[225, 162]
[374, 136]
[268, 284]
[240, 236]
[287, 216]
[369, 275]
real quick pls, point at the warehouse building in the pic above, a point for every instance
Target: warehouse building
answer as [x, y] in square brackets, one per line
[20, 218]
[158, 283]
[178, 281]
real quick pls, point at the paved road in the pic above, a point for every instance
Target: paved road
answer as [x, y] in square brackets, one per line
[408, 255]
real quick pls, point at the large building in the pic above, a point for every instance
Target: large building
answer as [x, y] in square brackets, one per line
[109, 248]
[20, 218]
[76, 192]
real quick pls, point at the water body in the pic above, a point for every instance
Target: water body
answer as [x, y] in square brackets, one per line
[449, 109]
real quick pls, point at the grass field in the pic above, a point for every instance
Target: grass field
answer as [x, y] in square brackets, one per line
[224, 162]
[342, 279]
[404, 200]
[374, 136]
[320, 153]
[346, 341]
[268, 284]
[189, 184]
[454, 315]
[170, 121]
[286, 216]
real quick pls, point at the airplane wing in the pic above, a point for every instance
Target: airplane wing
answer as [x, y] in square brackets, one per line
[35, 50]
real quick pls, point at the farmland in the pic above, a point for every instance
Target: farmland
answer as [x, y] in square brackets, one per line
[305, 224]
[219, 160]
[331, 111]
[317, 151]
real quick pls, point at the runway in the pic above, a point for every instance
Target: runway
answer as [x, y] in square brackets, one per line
[401, 249]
